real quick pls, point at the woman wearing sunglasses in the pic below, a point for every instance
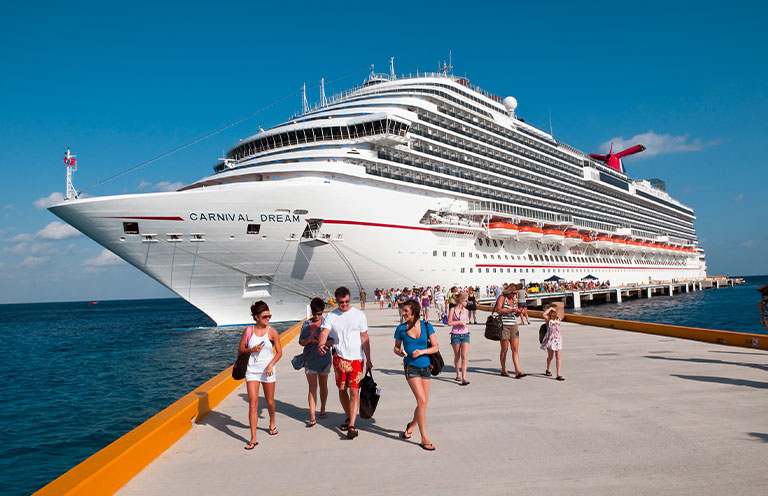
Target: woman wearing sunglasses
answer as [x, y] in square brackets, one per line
[258, 340]
[316, 366]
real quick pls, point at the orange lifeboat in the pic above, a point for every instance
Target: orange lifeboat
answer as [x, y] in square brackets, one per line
[530, 233]
[604, 242]
[554, 235]
[572, 238]
[503, 230]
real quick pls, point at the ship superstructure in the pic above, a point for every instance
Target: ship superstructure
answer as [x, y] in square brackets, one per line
[418, 179]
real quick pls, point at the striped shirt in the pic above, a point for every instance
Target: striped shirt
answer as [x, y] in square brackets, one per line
[508, 318]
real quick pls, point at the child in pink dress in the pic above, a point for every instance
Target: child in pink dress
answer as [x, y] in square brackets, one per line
[552, 341]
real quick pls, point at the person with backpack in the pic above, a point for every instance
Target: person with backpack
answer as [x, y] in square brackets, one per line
[414, 340]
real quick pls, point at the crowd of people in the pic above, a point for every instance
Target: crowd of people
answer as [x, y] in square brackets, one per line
[339, 340]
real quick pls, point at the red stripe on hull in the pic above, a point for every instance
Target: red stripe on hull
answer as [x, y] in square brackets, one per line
[143, 218]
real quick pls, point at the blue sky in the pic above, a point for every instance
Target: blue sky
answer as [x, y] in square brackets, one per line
[120, 84]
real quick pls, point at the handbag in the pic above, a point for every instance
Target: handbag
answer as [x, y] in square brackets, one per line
[241, 364]
[493, 327]
[436, 362]
[298, 360]
[542, 332]
[369, 395]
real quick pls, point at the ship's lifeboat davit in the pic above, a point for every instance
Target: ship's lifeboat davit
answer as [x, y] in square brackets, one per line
[502, 230]
[530, 233]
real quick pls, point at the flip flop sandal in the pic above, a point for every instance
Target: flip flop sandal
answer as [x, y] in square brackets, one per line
[273, 431]
[343, 427]
[406, 434]
[322, 415]
[427, 446]
[352, 432]
[464, 383]
[520, 375]
[250, 446]
[560, 378]
[311, 423]
[505, 374]
[548, 373]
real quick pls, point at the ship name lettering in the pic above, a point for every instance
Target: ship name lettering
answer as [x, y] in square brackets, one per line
[220, 217]
[280, 218]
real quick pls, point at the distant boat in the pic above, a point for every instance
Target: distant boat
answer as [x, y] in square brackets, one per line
[93, 303]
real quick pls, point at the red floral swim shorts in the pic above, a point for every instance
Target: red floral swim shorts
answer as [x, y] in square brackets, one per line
[348, 372]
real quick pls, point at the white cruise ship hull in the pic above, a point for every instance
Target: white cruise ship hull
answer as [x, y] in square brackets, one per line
[361, 244]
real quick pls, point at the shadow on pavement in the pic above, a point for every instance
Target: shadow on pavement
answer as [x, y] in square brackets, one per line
[724, 380]
[708, 360]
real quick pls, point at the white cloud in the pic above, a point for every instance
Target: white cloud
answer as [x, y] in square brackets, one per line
[161, 186]
[32, 261]
[167, 186]
[58, 230]
[20, 238]
[738, 198]
[750, 243]
[657, 144]
[48, 201]
[104, 258]
[9, 206]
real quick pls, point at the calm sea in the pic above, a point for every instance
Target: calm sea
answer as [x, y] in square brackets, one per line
[75, 376]
[728, 309]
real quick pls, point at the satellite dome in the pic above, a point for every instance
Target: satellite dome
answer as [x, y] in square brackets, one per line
[510, 103]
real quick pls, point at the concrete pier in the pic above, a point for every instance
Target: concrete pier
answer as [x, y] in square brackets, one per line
[637, 414]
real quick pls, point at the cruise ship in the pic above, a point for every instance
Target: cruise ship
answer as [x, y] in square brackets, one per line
[417, 179]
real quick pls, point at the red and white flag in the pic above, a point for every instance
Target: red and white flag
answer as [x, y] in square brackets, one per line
[69, 160]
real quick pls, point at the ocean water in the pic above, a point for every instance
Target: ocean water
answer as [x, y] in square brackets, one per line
[75, 376]
[727, 309]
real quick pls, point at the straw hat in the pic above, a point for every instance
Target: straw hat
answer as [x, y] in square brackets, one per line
[509, 290]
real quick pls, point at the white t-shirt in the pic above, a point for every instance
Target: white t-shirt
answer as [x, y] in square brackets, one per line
[346, 328]
[439, 296]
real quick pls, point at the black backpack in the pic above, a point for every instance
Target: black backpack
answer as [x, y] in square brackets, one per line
[542, 332]
[369, 396]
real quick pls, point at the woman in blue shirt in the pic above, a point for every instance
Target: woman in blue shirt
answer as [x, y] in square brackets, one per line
[414, 340]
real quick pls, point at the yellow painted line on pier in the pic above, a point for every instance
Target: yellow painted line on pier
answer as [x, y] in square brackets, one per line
[728, 338]
[111, 468]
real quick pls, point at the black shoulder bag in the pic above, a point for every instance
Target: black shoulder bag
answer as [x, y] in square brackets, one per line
[436, 362]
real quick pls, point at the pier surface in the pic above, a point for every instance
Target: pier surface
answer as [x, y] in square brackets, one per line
[637, 414]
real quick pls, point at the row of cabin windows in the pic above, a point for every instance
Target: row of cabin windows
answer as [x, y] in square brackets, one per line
[489, 270]
[559, 258]
[311, 135]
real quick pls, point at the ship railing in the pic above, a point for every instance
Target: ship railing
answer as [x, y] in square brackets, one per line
[366, 88]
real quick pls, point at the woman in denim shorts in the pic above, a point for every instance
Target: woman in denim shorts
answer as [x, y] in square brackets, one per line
[414, 339]
[458, 317]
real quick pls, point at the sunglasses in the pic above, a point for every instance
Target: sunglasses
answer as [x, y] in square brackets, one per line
[344, 302]
[265, 317]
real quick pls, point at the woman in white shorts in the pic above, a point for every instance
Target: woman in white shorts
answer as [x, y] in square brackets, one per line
[258, 340]
[316, 366]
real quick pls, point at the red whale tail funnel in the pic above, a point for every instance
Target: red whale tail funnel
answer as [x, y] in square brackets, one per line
[614, 159]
